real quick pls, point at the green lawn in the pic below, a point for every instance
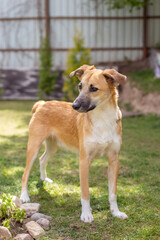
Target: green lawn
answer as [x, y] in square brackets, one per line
[145, 81]
[138, 183]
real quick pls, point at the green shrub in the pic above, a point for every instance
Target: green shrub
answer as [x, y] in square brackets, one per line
[131, 4]
[47, 78]
[158, 45]
[9, 212]
[77, 56]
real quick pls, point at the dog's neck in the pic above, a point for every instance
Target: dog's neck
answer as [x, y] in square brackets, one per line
[108, 108]
[104, 112]
[104, 123]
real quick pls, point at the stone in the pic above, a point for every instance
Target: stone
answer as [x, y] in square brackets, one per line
[34, 229]
[23, 236]
[30, 208]
[37, 216]
[4, 233]
[17, 201]
[44, 223]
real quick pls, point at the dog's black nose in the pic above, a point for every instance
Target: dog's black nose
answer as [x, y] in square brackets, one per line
[76, 105]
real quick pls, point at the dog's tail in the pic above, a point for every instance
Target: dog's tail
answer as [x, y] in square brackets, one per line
[36, 105]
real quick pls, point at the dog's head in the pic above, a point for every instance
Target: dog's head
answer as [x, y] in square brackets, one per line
[95, 87]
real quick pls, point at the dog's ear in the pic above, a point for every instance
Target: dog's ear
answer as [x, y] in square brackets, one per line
[114, 78]
[80, 71]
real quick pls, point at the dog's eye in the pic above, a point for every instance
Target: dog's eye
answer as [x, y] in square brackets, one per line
[80, 86]
[93, 89]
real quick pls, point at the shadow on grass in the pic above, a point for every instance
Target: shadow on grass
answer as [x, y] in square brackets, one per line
[64, 166]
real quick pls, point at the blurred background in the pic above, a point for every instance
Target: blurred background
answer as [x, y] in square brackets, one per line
[41, 41]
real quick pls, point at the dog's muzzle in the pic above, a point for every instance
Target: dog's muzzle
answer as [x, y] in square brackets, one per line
[82, 106]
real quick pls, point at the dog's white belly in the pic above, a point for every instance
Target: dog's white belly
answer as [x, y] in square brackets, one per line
[97, 150]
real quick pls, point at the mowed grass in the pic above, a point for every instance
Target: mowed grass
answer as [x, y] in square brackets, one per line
[138, 182]
[145, 81]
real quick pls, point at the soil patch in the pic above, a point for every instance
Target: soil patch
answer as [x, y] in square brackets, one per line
[149, 103]
[17, 227]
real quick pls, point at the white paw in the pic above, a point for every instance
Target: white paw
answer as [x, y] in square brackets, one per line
[24, 197]
[48, 180]
[119, 214]
[86, 217]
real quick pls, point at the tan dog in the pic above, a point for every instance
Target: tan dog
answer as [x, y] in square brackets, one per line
[94, 129]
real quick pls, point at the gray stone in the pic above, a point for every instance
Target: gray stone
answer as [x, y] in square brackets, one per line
[30, 208]
[37, 216]
[4, 233]
[17, 201]
[23, 236]
[34, 229]
[44, 223]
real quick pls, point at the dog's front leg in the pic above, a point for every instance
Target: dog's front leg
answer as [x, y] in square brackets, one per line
[86, 215]
[113, 170]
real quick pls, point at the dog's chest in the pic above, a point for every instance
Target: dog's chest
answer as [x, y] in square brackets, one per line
[103, 133]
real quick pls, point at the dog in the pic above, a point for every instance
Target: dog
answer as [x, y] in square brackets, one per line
[91, 126]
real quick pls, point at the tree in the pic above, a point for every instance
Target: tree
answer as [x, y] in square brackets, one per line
[119, 4]
[77, 56]
[47, 78]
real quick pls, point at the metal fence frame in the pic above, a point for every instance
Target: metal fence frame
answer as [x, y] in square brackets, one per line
[47, 19]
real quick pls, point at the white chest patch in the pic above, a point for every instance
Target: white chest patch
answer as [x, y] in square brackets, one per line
[103, 132]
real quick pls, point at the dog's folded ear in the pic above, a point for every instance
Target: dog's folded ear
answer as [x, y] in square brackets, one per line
[80, 71]
[114, 78]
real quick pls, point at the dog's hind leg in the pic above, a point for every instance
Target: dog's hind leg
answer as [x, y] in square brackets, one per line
[36, 137]
[50, 150]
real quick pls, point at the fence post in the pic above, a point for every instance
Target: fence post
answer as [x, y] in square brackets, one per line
[47, 20]
[145, 25]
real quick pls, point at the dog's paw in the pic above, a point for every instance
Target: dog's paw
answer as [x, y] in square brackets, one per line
[48, 180]
[86, 217]
[119, 214]
[24, 197]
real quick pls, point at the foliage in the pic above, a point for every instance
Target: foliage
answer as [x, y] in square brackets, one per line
[6, 223]
[158, 45]
[138, 181]
[77, 56]
[19, 215]
[7, 206]
[8, 211]
[119, 4]
[47, 78]
[145, 81]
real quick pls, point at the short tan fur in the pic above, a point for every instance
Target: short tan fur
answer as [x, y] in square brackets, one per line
[91, 126]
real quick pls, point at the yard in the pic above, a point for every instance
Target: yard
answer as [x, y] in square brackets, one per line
[138, 183]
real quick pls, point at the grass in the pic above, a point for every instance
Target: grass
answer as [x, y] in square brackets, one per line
[145, 81]
[138, 183]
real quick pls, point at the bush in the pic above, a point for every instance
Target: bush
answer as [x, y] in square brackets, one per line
[132, 4]
[47, 78]
[77, 56]
[9, 212]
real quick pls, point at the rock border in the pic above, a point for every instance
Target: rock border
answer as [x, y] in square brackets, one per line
[36, 222]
